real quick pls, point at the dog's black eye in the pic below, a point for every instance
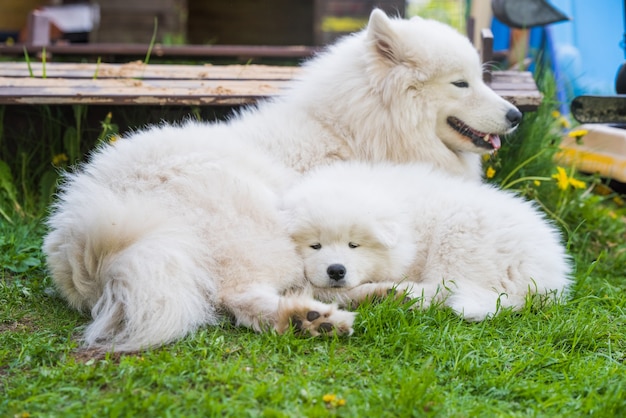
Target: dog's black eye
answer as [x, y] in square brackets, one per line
[353, 245]
[316, 246]
[461, 84]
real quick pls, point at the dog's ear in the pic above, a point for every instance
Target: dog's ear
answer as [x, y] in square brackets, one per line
[383, 38]
[388, 233]
[287, 218]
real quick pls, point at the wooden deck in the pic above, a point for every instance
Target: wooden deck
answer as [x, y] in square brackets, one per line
[204, 85]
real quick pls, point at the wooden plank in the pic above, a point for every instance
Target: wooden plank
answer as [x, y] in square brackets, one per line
[166, 99]
[135, 92]
[486, 52]
[516, 77]
[169, 71]
[159, 50]
[136, 83]
[525, 103]
[522, 88]
[115, 83]
[151, 71]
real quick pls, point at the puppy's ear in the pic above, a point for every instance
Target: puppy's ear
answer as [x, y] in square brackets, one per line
[383, 38]
[287, 219]
[388, 233]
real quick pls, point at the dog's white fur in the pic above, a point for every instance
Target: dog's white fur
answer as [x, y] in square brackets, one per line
[414, 228]
[165, 229]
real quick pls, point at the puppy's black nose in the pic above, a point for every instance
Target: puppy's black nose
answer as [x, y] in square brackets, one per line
[514, 117]
[336, 271]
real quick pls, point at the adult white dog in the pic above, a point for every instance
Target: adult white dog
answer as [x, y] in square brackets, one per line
[364, 230]
[165, 229]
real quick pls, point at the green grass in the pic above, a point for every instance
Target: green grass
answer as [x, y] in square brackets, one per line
[564, 360]
[553, 361]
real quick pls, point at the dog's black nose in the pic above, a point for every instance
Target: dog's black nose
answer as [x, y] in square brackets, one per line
[336, 271]
[514, 117]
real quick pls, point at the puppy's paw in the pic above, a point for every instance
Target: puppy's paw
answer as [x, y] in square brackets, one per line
[331, 321]
[309, 316]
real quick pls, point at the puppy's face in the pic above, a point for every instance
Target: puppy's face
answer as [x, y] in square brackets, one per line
[346, 256]
[347, 230]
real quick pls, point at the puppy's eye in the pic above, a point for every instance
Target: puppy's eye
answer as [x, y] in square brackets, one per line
[316, 246]
[353, 245]
[461, 84]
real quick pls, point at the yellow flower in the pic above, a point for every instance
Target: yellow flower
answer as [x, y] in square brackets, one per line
[563, 181]
[59, 159]
[561, 178]
[537, 183]
[329, 397]
[578, 133]
[564, 122]
[577, 184]
[490, 172]
[332, 400]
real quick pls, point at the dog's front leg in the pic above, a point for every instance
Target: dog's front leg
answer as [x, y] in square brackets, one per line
[405, 291]
[261, 307]
[353, 297]
[381, 290]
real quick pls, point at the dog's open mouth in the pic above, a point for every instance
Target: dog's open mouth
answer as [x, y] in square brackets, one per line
[480, 139]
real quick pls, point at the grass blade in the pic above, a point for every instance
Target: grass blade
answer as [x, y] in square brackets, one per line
[95, 74]
[43, 63]
[30, 68]
[152, 41]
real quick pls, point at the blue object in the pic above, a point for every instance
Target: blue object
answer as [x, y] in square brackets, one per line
[584, 53]
[587, 49]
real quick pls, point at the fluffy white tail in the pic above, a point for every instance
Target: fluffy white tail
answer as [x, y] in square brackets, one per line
[144, 275]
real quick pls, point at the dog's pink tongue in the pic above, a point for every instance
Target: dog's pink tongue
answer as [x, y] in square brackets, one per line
[495, 141]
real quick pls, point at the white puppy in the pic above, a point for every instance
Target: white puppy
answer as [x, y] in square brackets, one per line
[363, 230]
